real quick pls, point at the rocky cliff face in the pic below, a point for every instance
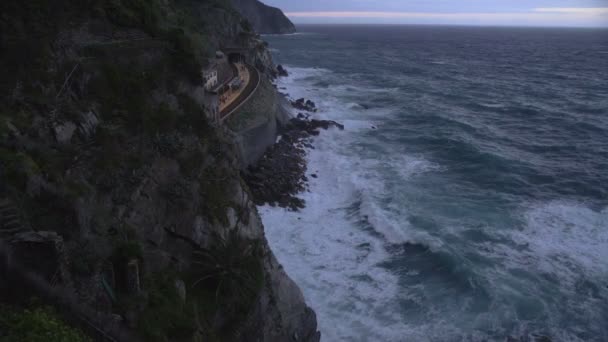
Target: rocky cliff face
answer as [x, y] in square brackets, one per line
[111, 170]
[265, 19]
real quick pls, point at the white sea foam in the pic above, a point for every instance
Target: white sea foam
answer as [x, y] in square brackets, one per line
[493, 105]
[566, 239]
[334, 258]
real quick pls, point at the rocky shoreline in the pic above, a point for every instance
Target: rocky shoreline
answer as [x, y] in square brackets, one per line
[280, 175]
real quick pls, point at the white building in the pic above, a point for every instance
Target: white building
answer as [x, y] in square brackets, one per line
[210, 79]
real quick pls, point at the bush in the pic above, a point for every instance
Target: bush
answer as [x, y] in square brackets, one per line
[228, 277]
[40, 324]
[15, 167]
[166, 317]
[126, 251]
[142, 14]
[161, 120]
[216, 194]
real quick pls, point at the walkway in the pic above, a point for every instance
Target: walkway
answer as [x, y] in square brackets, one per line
[231, 95]
[251, 81]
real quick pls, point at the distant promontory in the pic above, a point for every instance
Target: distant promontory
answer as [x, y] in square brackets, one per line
[265, 19]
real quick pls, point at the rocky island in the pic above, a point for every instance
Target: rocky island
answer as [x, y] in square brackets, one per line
[128, 191]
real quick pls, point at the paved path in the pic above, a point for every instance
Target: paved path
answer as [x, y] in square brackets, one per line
[249, 86]
[228, 98]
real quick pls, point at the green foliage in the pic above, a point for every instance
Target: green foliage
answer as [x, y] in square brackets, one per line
[4, 131]
[84, 257]
[77, 189]
[188, 52]
[166, 317]
[228, 277]
[161, 120]
[195, 117]
[17, 167]
[190, 163]
[215, 190]
[111, 153]
[40, 324]
[143, 14]
[28, 28]
[21, 119]
[127, 250]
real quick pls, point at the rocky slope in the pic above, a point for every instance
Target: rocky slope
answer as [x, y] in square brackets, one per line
[118, 195]
[265, 19]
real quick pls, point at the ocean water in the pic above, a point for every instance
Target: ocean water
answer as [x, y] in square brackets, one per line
[467, 198]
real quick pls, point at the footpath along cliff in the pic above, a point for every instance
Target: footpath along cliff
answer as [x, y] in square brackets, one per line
[122, 206]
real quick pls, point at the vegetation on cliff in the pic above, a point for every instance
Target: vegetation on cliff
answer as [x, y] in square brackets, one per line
[264, 18]
[119, 189]
[36, 324]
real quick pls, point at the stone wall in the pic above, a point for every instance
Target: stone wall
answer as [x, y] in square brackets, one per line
[258, 121]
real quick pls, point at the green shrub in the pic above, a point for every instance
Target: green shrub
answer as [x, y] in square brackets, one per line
[17, 166]
[142, 14]
[161, 120]
[195, 117]
[127, 250]
[216, 194]
[40, 324]
[227, 278]
[188, 53]
[166, 317]
[77, 189]
[4, 131]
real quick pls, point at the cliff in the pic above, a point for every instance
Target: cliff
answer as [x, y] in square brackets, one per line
[265, 19]
[121, 204]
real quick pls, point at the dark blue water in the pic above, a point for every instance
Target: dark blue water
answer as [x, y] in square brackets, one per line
[467, 199]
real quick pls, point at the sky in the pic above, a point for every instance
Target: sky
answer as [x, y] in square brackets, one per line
[571, 13]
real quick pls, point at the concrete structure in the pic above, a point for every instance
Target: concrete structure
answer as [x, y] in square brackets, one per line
[215, 79]
[212, 103]
[256, 121]
[210, 79]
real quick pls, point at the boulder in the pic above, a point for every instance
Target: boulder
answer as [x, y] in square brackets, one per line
[282, 71]
[303, 104]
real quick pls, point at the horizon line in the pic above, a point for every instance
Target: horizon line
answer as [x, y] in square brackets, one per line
[542, 16]
[443, 24]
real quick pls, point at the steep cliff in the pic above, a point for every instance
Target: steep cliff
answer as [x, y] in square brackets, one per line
[117, 190]
[265, 19]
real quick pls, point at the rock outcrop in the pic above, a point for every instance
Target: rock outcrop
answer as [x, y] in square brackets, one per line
[280, 175]
[265, 19]
[305, 105]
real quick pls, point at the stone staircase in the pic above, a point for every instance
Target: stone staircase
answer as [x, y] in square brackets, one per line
[10, 219]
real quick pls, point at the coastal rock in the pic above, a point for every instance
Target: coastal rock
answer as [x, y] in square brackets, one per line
[303, 104]
[280, 174]
[282, 71]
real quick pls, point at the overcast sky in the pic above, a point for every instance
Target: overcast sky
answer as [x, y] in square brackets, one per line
[463, 12]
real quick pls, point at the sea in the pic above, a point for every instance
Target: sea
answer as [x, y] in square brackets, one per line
[466, 198]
